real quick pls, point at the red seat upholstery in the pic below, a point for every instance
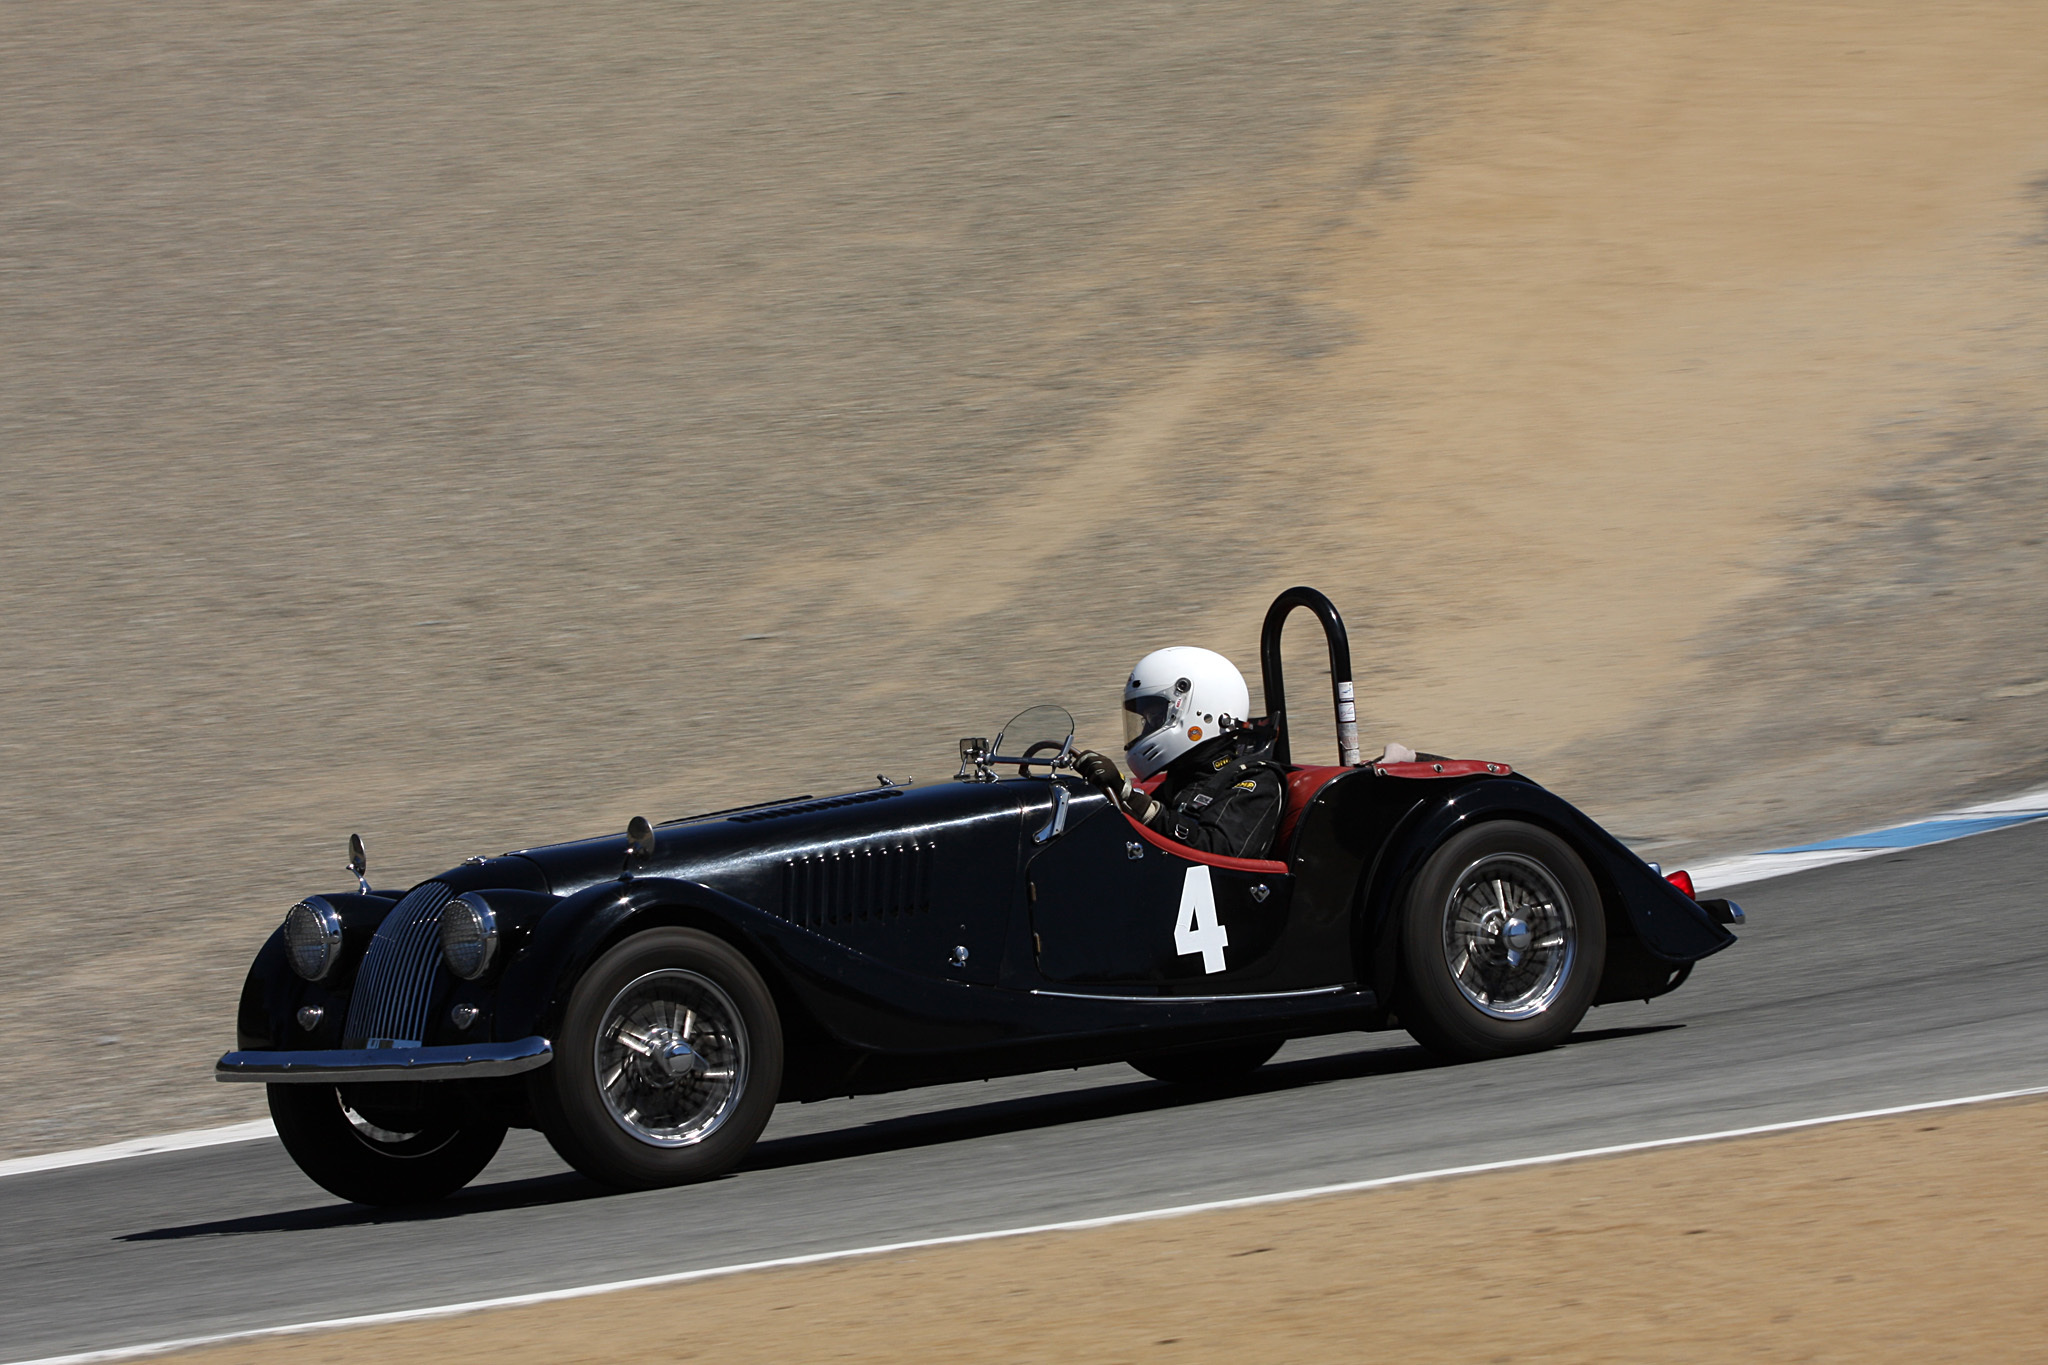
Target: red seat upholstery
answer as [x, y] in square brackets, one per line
[1302, 786]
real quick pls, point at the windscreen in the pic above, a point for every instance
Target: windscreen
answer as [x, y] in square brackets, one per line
[1038, 731]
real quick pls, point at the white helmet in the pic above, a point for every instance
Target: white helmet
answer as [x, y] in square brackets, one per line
[1178, 698]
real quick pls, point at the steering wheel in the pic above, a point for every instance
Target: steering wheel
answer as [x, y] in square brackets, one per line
[1024, 766]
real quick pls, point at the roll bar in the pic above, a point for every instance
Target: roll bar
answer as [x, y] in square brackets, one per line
[1340, 671]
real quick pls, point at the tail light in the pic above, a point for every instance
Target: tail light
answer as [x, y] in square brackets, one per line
[1683, 881]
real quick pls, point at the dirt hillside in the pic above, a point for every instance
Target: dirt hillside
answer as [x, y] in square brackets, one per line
[481, 424]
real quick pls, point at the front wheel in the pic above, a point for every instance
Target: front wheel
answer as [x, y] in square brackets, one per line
[1503, 942]
[669, 1062]
[368, 1145]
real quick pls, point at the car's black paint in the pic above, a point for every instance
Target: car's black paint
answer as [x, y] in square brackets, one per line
[919, 934]
[863, 966]
[1104, 902]
[900, 874]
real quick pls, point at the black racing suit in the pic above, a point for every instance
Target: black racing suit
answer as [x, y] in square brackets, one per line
[1224, 797]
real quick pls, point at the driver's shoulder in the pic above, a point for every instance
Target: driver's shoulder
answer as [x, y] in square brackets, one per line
[1252, 772]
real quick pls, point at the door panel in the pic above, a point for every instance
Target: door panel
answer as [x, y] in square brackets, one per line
[1109, 908]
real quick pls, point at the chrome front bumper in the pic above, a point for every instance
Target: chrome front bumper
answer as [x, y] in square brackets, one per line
[466, 1061]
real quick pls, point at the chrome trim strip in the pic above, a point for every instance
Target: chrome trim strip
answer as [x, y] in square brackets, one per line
[1363, 995]
[466, 1061]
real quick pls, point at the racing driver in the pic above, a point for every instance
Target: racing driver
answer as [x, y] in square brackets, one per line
[1184, 715]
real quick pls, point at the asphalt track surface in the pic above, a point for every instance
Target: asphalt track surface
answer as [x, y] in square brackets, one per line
[1911, 977]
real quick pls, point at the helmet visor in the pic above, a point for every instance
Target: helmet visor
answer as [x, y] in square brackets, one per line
[1143, 715]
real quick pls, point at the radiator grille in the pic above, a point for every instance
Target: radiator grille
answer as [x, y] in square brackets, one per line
[397, 975]
[876, 884]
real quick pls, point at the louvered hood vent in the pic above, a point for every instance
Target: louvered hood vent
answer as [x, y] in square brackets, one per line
[809, 807]
[396, 980]
[876, 884]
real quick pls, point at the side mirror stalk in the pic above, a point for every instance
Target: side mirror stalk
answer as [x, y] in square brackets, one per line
[359, 863]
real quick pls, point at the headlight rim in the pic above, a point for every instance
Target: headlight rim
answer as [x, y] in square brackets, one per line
[327, 920]
[484, 920]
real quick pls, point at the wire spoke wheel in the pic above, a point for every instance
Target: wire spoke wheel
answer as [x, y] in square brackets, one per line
[671, 1058]
[1509, 936]
[669, 1064]
[1503, 942]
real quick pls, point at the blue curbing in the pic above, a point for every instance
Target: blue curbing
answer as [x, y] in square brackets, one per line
[1960, 824]
[1921, 832]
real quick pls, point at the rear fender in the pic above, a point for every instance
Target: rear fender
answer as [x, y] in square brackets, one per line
[1653, 928]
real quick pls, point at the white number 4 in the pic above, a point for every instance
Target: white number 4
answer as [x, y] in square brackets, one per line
[1196, 929]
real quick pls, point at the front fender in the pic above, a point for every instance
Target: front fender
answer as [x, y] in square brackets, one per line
[1654, 919]
[857, 1000]
[534, 990]
[272, 992]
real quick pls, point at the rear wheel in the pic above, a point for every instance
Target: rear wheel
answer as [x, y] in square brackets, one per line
[1208, 1066]
[398, 1152]
[1503, 942]
[668, 1066]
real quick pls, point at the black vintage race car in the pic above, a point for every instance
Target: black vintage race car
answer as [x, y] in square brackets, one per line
[646, 999]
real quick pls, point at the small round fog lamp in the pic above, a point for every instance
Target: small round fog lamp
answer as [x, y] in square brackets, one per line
[469, 935]
[312, 937]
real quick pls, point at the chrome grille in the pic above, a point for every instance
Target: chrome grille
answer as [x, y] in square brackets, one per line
[397, 975]
[858, 885]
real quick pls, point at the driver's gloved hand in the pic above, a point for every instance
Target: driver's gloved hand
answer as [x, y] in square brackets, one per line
[1099, 770]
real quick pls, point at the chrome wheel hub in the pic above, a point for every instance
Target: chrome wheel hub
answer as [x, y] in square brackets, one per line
[671, 1058]
[1510, 936]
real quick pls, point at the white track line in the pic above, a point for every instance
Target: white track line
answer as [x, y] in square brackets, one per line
[147, 1146]
[1750, 868]
[957, 1239]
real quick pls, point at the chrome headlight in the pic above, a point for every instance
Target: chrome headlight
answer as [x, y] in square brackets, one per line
[312, 937]
[469, 935]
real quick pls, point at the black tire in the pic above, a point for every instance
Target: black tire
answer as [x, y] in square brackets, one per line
[648, 996]
[355, 1158]
[1467, 991]
[1208, 1067]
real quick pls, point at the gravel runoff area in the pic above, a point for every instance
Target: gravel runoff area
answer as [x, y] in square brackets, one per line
[1904, 1238]
[482, 424]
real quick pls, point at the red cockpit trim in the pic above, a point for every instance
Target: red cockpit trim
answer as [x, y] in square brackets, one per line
[1447, 767]
[1195, 855]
